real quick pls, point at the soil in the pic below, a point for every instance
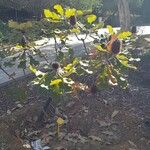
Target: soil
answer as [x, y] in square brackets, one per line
[111, 119]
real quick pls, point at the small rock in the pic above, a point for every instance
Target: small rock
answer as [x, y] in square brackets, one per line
[8, 112]
[108, 133]
[95, 138]
[19, 106]
[60, 148]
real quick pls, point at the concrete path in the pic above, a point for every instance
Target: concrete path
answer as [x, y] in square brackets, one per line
[49, 49]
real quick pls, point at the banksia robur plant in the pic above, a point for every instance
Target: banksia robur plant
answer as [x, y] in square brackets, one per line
[55, 65]
[116, 46]
[73, 20]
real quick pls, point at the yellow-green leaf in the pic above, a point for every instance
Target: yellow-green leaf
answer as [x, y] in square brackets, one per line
[91, 18]
[59, 9]
[56, 82]
[52, 15]
[110, 29]
[122, 57]
[124, 35]
[79, 12]
[60, 121]
[70, 12]
[47, 13]
[75, 30]
[32, 69]
[99, 48]
[125, 61]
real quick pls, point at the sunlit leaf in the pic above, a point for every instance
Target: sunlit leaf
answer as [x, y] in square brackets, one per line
[125, 61]
[99, 48]
[56, 82]
[79, 12]
[91, 18]
[110, 29]
[59, 9]
[122, 57]
[124, 35]
[70, 12]
[52, 15]
[75, 30]
[48, 13]
[60, 121]
[32, 69]
[75, 61]
[19, 46]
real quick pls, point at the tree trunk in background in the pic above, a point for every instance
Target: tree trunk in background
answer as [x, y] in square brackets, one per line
[124, 14]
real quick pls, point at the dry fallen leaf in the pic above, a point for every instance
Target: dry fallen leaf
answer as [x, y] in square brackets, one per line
[114, 113]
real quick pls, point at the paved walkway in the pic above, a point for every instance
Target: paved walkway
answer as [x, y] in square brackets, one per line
[48, 48]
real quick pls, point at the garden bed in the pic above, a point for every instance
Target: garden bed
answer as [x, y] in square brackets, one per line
[110, 120]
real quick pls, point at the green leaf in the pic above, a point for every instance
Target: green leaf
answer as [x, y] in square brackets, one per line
[91, 18]
[22, 64]
[125, 61]
[98, 26]
[59, 9]
[110, 29]
[33, 61]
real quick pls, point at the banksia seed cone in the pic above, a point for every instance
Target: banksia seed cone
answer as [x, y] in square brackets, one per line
[116, 46]
[55, 65]
[72, 20]
[134, 29]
